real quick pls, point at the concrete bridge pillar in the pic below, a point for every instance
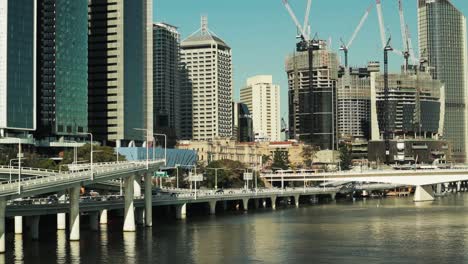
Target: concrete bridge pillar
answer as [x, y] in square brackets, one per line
[181, 211]
[148, 200]
[245, 203]
[18, 225]
[75, 213]
[61, 221]
[257, 203]
[296, 200]
[333, 196]
[139, 216]
[34, 227]
[273, 202]
[103, 217]
[439, 188]
[137, 186]
[423, 193]
[264, 203]
[94, 221]
[3, 203]
[212, 207]
[129, 212]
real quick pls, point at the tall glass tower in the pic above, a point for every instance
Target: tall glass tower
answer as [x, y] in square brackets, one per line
[62, 67]
[442, 41]
[17, 66]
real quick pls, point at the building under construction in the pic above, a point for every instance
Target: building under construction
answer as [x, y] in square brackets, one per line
[312, 105]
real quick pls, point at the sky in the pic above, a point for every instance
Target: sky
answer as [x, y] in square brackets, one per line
[261, 32]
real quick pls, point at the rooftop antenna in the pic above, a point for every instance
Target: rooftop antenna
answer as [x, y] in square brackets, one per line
[204, 25]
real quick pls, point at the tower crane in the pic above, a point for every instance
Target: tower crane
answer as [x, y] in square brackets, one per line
[386, 123]
[345, 47]
[408, 52]
[383, 37]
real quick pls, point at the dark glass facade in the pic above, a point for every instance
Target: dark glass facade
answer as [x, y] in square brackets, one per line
[63, 67]
[20, 88]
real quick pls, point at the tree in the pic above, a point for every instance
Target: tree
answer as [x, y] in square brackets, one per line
[345, 157]
[280, 159]
[104, 154]
[230, 174]
[308, 154]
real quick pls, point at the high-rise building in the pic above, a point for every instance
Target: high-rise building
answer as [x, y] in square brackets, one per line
[120, 69]
[166, 80]
[262, 97]
[17, 67]
[242, 124]
[62, 70]
[442, 40]
[207, 60]
[312, 110]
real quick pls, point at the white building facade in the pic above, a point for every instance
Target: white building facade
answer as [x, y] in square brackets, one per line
[208, 62]
[263, 99]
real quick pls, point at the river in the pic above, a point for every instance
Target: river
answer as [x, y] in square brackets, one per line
[391, 230]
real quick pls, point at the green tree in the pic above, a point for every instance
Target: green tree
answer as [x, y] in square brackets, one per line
[308, 154]
[103, 154]
[345, 157]
[280, 159]
[229, 176]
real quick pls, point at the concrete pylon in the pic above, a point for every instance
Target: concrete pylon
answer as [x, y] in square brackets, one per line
[3, 203]
[212, 207]
[181, 211]
[137, 186]
[34, 227]
[458, 186]
[61, 221]
[273, 202]
[103, 217]
[94, 221]
[296, 200]
[245, 204]
[139, 216]
[18, 225]
[423, 193]
[75, 213]
[148, 200]
[129, 212]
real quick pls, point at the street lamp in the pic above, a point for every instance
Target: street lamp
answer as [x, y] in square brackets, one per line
[147, 147]
[10, 167]
[19, 163]
[216, 175]
[91, 137]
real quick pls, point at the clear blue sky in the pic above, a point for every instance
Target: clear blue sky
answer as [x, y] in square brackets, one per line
[261, 33]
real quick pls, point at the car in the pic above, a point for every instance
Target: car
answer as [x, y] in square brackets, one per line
[220, 191]
[52, 199]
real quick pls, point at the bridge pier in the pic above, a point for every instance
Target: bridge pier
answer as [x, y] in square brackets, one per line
[181, 211]
[103, 217]
[139, 216]
[257, 203]
[423, 193]
[129, 213]
[296, 200]
[75, 213]
[2, 224]
[273, 202]
[18, 225]
[34, 227]
[245, 203]
[137, 186]
[333, 196]
[212, 207]
[94, 221]
[148, 200]
[61, 221]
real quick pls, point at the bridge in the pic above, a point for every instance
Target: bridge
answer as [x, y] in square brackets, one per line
[421, 179]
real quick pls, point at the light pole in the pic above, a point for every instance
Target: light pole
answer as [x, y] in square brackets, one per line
[91, 136]
[177, 175]
[147, 147]
[216, 176]
[165, 146]
[11, 167]
[19, 163]
[92, 168]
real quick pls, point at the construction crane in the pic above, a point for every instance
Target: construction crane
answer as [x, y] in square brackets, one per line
[383, 37]
[386, 131]
[408, 51]
[284, 129]
[345, 47]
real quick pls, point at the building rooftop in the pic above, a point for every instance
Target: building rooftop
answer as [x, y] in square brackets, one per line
[203, 36]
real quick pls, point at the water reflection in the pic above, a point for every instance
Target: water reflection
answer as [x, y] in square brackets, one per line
[19, 256]
[75, 252]
[104, 240]
[129, 240]
[61, 246]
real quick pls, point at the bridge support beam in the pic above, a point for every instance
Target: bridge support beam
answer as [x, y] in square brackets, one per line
[61, 221]
[18, 225]
[245, 203]
[34, 227]
[458, 186]
[75, 213]
[103, 217]
[94, 221]
[333, 196]
[296, 200]
[423, 193]
[129, 213]
[137, 186]
[212, 207]
[148, 200]
[181, 211]
[273, 202]
[3, 203]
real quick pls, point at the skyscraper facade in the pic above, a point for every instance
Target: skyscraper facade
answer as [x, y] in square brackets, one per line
[442, 41]
[207, 60]
[120, 81]
[17, 66]
[62, 70]
[312, 110]
[166, 80]
[262, 97]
